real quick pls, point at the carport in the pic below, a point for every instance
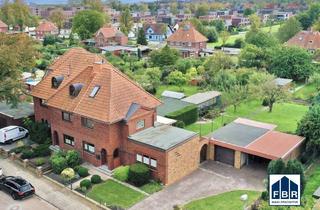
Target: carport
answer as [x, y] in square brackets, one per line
[244, 142]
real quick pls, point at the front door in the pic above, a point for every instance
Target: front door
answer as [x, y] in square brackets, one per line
[103, 157]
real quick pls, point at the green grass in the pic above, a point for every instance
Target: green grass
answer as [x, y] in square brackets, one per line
[224, 201]
[188, 90]
[115, 194]
[151, 187]
[233, 38]
[284, 115]
[305, 93]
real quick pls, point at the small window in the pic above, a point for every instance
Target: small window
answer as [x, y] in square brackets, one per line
[146, 160]
[94, 91]
[153, 163]
[140, 124]
[139, 158]
[66, 116]
[116, 153]
[43, 102]
[87, 122]
[68, 140]
[88, 147]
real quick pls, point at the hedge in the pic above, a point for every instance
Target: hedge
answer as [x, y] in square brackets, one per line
[96, 179]
[188, 115]
[121, 173]
[139, 174]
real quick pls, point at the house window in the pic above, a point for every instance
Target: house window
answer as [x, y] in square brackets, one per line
[43, 102]
[116, 153]
[68, 140]
[139, 158]
[146, 160]
[153, 163]
[140, 124]
[87, 122]
[94, 91]
[88, 147]
[189, 44]
[66, 116]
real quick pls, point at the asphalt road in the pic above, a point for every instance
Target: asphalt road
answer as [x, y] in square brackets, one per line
[31, 203]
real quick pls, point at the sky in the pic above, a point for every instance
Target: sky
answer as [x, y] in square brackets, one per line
[65, 1]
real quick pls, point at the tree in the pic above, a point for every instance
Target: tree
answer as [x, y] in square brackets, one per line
[260, 39]
[177, 78]
[315, 79]
[87, 22]
[272, 93]
[290, 28]
[164, 57]
[253, 56]
[174, 8]
[248, 12]
[57, 17]
[218, 24]
[224, 35]
[202, 10]
[212, 35]
[141, 39]
[17, 13]
[255, 23]
[126, 22]
[218, 61]
[235, 95]
[94, 5]
[18, 53]
[291, 62]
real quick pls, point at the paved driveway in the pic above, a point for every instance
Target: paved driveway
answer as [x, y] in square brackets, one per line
[210, 179]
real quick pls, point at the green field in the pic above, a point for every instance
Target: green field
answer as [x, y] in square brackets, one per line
[224, 201]
[284, 115]
[114, 194]
[232, 38]
[306, 92]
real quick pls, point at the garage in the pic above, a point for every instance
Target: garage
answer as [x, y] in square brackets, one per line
[224, 155]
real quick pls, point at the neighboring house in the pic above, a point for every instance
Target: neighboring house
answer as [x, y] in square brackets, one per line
[46, 28]
[97, 110]
[282, 15]
[248, 142]
[15, 116]
[3, 27]
[240, 21]
[309, 40]
[188, 41]
[157, 32]
[109, 35]
[204, 101]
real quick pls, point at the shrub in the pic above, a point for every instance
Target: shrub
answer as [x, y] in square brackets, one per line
[39, 161]
[18, 150]
[264, 195]
[82, 171]
[188, 115]
[58, 163]
[27, 154]
[265, 102]
[95, 179]
[68, 173]
[121, 173]
[139, 174]
[42, 150]
[180, 124]
[73, 158]
[85, 184]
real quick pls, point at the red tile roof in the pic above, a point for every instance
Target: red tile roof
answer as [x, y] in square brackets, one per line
[109, 32]
[187, 33]
[117, 92]
[47, 26]
[3, 25]
[306, 40]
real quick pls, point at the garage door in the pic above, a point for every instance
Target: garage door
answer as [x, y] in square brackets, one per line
[224, 155]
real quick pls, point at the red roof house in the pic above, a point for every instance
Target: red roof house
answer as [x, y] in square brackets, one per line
[45, 28]
[3, 27]
[309, 40]
[109, 35]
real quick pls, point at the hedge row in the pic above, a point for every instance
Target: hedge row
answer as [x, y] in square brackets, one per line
[188, 115]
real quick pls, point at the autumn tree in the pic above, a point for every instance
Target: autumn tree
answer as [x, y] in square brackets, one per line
[57, 17]
[18, 53]
[126, 21]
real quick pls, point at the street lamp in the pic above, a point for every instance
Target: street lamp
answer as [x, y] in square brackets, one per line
[244, 198]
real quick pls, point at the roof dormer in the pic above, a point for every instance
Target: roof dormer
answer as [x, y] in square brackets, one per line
[56, 81]
[75, 89]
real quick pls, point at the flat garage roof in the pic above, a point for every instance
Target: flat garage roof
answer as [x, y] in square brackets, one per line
[162, 137]
[23, 109]
[256, 138]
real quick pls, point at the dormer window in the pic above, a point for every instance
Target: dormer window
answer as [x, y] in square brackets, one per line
[75, 89]
[94, 91]
[56, 81]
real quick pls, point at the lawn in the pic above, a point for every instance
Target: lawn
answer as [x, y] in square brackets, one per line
[114, 194]
[188, 90]
[306, 92]
[228, 200]
[284, 115]
[151, 187]
[233, 38]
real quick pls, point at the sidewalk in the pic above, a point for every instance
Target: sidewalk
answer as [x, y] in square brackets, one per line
[60, 197]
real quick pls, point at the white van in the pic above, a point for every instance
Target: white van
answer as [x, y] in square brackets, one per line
[12, 133]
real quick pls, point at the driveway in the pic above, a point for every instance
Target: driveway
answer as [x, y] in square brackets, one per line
[210, 179]
[47, 191]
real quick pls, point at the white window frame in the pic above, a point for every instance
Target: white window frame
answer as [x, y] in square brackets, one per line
[140, 124]
[89, 148]
[153, 163]
[146, 160]
[139, 158]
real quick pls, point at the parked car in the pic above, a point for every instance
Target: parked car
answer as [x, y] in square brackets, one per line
[12, 133]
[17, 187]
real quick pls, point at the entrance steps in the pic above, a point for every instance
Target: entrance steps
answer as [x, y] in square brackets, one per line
[105, 170]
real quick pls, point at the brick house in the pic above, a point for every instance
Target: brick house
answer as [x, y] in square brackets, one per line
[94, 108]
[309, 40]
[3, 27]
[188, 41]
[46, 28]
[109, 35]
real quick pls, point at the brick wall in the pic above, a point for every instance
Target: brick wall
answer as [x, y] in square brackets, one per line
[183, 160]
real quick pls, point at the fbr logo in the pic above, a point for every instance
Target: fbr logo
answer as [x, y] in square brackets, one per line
[284, 189]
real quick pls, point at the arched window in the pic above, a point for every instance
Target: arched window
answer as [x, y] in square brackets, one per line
[116, 153]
